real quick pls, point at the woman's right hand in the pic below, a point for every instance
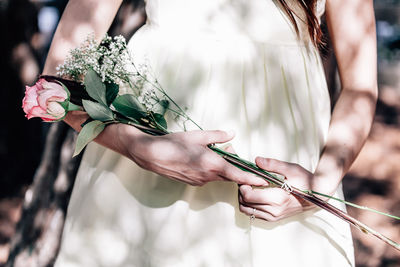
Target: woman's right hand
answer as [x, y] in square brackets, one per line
[182, 156]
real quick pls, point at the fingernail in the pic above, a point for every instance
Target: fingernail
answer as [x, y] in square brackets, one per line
[264, 182]
[231, 132]
[260, 160]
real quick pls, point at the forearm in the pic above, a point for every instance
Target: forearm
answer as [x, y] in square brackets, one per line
[349, 128]
[80, 18]
[117, 136]
[354, 42]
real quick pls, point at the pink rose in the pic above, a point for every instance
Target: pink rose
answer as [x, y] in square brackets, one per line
[43, 100]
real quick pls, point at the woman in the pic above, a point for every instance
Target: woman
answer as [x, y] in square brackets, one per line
[251, 66]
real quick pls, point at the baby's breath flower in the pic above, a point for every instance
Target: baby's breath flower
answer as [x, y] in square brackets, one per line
[108, 59]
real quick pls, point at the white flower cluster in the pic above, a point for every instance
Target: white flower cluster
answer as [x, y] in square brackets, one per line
[149, 99]
[112, 61]
[144, 86]
[108, 59]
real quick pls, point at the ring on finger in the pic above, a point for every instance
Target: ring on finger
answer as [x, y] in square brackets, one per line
[252, 216]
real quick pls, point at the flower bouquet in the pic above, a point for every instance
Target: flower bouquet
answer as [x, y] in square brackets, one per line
[90, 81]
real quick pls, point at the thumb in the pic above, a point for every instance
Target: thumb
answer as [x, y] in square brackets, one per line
[229, 148]
[273, 165]
[215, 137]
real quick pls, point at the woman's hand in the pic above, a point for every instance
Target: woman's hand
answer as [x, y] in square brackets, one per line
[182, 156]
[273, 204]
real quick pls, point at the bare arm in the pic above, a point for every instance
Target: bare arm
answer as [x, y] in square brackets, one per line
[181, 156]
[352, 28]
[80, 18]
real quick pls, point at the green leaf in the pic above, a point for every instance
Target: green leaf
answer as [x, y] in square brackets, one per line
[129, 106]
[112, 90]
[65, 104]
[160, 120]
[95, 87]
[86, 122]
[72, 107]
[89, 132]
[98, 111]
[161, 107]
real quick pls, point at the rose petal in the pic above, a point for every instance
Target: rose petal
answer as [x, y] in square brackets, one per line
[51, 90]
[58, 89]
[55, 110]
[45, 95]
[41, 100]
[30, 99]
[48, 119]
[36, 111]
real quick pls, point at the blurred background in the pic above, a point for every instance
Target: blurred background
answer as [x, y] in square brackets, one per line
[36, 180]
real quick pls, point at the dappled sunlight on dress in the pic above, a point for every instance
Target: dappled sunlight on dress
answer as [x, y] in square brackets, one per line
[236, 65]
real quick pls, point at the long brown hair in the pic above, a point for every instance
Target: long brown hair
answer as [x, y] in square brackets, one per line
[309, 8]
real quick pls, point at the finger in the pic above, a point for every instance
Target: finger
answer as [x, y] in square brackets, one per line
[214, 164]
[263, 196]
[241, 177]
[223, 178]
[211, 137]
[252, 179]
[249, 211]
[271, 213]
[229, 148]
[274, 165]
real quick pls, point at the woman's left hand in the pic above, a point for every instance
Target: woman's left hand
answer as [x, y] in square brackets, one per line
[273, 204]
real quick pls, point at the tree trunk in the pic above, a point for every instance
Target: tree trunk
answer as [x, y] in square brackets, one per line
[36, 241]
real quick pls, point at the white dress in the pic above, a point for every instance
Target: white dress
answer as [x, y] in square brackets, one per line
[236, 64]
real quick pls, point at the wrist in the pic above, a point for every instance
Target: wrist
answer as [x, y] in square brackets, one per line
[326, 184]
[75, 119]
[126, 138]
[328, 175]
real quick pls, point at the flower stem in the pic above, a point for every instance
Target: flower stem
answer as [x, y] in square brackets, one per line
[156, 85]
[353, 205]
